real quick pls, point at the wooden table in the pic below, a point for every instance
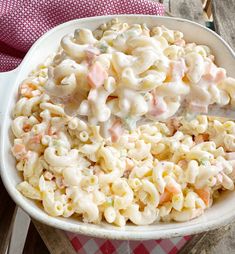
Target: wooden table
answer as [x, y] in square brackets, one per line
[43, 239]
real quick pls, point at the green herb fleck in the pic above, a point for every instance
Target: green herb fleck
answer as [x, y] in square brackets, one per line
[109, 201]
[204, 161]
[103, 48]
[42, 67]
[130, 122]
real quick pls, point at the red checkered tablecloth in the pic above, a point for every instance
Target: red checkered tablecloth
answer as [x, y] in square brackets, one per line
[90, 245]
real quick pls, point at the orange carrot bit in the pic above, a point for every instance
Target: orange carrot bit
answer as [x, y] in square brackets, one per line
[19, 151]
[220, 75]
[26, 89]
[183, 164]
[116, 131]
[205, 136]
[172, 188]
[96, 75]
[165, 197]
[27, 127]
[36, 139]
[18, 148]
[201, 138]
[204, 194]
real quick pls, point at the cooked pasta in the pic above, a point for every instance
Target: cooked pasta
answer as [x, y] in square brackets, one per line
[77, 142]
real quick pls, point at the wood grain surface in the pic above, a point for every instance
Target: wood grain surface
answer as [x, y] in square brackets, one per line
[217, 241]
[188, 9]
[224, 19]
[7, 214]
[34, 244]
[55, 240]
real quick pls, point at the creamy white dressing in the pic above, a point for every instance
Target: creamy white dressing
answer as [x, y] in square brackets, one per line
[142, 62]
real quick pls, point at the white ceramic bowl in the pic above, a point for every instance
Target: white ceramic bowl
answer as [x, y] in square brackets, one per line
[221, 213]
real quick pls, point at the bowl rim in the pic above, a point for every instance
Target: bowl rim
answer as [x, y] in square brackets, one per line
[91, 229]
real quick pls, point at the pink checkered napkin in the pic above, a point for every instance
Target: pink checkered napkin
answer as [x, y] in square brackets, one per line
[23, 21]
[88, 245]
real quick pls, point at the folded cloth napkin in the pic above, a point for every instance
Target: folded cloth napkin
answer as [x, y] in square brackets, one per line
[22, 22]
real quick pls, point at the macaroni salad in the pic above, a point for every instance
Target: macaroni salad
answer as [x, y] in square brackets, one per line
[77, 144]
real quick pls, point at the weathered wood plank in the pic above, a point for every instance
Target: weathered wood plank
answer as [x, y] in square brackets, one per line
[6, 218]
[191, 243]
[220, 240]
[204, 3]
[34, 244]
[223, 14]
[208, 8]
[19, 232]
[216, 241]
[56, 240]
[188, 9]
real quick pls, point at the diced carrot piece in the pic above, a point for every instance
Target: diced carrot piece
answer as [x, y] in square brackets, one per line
[204, 194]
[201, 138]
[18, 148]
[205, 136]
[36, 139]
[27, 127]
[220, 75]
[165, 197]
[183, 163]
[26, 89]
[172, 188]
[198, 139]
[208, 77]
[96, 75]
[19, 151]
[116, 131]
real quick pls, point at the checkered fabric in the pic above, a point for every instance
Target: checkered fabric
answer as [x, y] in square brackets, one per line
[89, 245]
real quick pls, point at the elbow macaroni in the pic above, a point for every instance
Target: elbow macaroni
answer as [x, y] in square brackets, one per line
[74, 155]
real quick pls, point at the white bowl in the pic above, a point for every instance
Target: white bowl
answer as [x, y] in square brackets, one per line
[221, 213]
